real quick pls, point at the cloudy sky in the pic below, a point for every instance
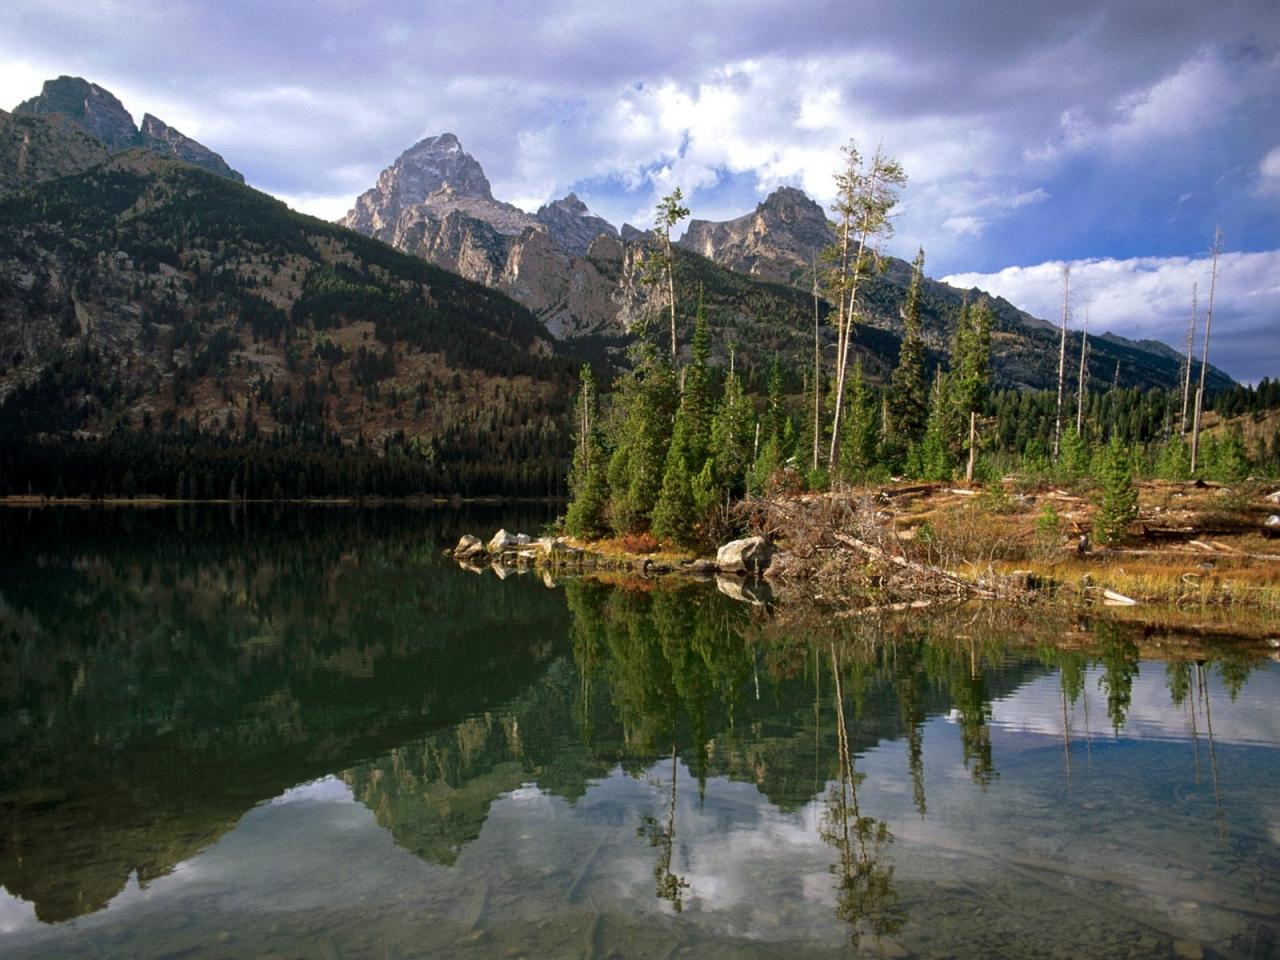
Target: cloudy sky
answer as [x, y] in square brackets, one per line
[1111, 135]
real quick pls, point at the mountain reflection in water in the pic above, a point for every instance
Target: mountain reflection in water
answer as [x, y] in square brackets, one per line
[303, 730]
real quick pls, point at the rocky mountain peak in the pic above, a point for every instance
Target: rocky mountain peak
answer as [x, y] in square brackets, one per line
[160, 138]
[92, 108]
[776, 241]
[793, 206]
[425, 169]
[99, 113]
[572, 225]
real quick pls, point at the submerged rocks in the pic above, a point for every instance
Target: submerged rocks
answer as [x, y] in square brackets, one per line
[748, 557]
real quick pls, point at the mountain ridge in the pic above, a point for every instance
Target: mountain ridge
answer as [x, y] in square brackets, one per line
[585, 286]
[150, 296]
[99, 113]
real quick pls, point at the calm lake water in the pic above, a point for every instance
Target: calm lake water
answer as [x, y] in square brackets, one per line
[302, 732]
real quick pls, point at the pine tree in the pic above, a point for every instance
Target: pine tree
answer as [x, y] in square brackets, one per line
[1231, 465]
[908, 394]
[1119, 504]
[674, 515]
[972, 371]
[765, 466]
[695, 402]
[660, 267]
[731, 436]
[775, 412]
[1074, 459]
[935, 455]
[588, 482]
[646, 401]
[1174, 462]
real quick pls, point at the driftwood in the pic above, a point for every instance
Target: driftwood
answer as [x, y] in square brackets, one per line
[919, 569]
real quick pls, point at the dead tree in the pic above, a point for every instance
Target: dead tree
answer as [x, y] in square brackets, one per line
[1191, 348]
[1081, 386]
[1062, 358]
[817, 371]
[1204, 360]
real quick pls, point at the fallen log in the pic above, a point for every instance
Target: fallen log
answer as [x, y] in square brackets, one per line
[916, 568]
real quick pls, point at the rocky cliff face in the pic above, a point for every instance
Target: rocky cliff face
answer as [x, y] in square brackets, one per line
[93, 109]
[160, 138]
[436, 202]
[572, 225]
[97, 112]
[34, 148]
[581, 277]
[436, 167]
[778, 241]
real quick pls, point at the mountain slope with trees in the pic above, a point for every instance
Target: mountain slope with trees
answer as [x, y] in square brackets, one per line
[157, 321]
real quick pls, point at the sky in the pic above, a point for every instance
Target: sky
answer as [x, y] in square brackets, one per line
[1112, 136]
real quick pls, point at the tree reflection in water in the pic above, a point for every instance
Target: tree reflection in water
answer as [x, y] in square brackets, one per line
[668, 885]
[865, 897]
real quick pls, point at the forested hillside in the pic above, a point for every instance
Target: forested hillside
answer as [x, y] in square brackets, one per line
[167, 331]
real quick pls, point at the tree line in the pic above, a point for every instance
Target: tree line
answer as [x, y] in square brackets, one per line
[672, 443]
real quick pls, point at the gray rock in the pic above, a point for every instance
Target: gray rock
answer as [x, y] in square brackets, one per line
[744, 557]
[426, 168]
[160, 138]
[775, 240]
[501, 543]
[92, 108]
[469, 546]
[523, 540]
[783, 565]
[572, 225]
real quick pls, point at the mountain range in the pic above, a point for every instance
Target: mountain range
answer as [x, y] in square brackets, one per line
[145, 287]
[582, 276]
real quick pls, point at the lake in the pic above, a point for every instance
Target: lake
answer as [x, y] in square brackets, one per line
[303, 732]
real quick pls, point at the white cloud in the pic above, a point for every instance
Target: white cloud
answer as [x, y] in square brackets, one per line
[326, 207]
[1269, 173]
[965, 226]
[1197, 97]
[1151, 297]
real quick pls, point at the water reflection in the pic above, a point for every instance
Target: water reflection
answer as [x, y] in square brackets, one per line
[654, 766]
[864, 892]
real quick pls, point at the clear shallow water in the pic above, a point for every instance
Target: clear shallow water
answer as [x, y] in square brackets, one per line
[302, 733]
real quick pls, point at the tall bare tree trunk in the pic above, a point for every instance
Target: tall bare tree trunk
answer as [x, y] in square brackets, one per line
[1204, 360]
[840, 345]
[843, 368]
[973, 445]
[1081, 396]
[671, 294]
[1191, 347]
[1062, 358]
[817, 371]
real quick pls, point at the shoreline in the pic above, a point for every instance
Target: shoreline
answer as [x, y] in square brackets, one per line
[1193, 547]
